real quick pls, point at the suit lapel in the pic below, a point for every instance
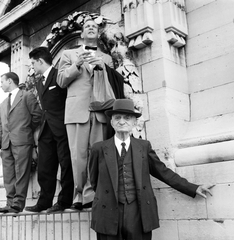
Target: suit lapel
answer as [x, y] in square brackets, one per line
[17, 99]
[48, 80]
[109, 150]
[137, 161]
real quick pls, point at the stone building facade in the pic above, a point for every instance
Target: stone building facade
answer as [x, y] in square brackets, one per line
[182, 52]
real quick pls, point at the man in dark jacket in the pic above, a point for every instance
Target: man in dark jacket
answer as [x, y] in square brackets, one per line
[52, 139]
[124, 205]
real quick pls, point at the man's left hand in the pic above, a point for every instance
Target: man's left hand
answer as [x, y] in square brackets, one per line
[203, 189]
[97, 61]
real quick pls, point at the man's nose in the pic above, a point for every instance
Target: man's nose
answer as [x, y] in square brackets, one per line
[122, 121]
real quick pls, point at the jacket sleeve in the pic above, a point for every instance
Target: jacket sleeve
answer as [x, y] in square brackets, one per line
[159, 170]
[116, 81]
[34, 109]
[67, 71]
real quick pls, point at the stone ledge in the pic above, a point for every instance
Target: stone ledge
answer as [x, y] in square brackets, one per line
[194, 230]
[18, 12]
[209, 153]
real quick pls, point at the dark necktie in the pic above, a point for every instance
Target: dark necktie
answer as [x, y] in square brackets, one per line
[123, 150]
[43, 80]
[9, 103]
[90, 48]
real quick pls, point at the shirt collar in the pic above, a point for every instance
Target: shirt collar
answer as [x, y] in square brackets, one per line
[46, 73]
[13, 94]
[118, 143]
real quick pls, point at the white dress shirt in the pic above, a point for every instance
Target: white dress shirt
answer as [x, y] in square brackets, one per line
[46, 73]
[119, 146]
[13, 94]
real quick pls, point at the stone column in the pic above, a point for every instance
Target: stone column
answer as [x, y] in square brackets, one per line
[157, 31]
[18, 38]
[19, 57]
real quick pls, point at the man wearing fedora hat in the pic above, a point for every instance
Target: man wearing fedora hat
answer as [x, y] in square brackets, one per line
[124, 205]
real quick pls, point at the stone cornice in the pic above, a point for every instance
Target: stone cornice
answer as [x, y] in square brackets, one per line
[18, 12]
[4, 46]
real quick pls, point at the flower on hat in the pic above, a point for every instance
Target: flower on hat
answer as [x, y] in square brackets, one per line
[73, 22]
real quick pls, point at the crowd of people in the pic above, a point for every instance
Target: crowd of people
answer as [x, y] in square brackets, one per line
[108, 173]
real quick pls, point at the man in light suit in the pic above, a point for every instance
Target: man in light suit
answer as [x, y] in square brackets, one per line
[124, 205]
[20, 114]
[76, 72]
[53, 145]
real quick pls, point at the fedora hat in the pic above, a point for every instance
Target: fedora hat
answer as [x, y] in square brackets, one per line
[124, 106]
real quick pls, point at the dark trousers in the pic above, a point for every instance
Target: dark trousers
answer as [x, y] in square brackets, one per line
[130, 226]
[54, 151]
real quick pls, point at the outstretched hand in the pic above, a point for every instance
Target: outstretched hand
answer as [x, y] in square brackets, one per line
[203, 189]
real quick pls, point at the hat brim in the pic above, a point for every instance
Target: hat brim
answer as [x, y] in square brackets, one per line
[109, 113]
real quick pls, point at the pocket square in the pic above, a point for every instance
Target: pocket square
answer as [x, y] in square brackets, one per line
[52, 87]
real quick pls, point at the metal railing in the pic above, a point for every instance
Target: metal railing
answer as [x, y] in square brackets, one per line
[66, 225]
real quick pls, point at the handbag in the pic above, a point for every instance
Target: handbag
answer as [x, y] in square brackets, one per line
[103, 96]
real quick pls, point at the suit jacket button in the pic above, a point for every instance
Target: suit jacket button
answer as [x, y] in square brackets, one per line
[107, 191]
[103, 206]
[148, 202]
[144, 187]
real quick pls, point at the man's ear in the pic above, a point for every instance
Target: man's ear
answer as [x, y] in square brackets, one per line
[41, 60]
[111, 122]
[135, 122]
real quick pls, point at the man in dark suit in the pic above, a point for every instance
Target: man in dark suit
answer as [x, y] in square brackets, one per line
[20, 114]
[53, 145]
[124, 205]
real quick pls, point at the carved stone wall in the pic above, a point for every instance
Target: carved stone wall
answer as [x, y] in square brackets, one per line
[139, 22]
[19, 57]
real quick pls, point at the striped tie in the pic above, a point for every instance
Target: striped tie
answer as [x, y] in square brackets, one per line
[123, 150]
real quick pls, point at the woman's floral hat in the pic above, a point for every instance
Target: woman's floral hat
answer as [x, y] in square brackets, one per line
[82, 17]
[76, 20]
[72, 23]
